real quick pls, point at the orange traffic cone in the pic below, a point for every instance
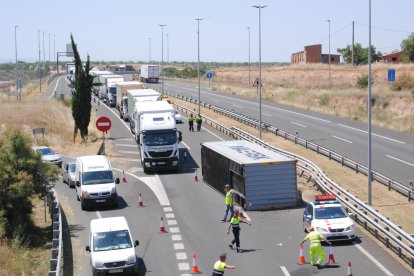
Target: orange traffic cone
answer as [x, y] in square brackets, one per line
[140, 204]
[301, 259]
[331, 260]
[349, 269]
[194, 268]
[162, 229]
[123, 177]
[195, 177]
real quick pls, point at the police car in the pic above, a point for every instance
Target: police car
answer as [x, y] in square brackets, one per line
[329, 218]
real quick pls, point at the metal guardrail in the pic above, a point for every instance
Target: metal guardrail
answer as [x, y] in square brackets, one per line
[55, 213]
[384, 230]
[332, 155]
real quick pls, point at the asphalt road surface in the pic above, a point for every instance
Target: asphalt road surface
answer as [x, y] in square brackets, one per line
[192, 212]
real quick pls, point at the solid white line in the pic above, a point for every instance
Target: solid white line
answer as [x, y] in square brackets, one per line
[238, 106]
[402, 161]
[185, 145]
[128, 151]
[126, 145]
[54, 90]
[267, 114]
[98, 214]
[360, 130]
[342, 139]
[297, 124]
[285, 271]
[375, 261]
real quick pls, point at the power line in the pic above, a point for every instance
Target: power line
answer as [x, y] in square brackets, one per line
[384, 29]
[336, 32]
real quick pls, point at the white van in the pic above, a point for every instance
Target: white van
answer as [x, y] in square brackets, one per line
[111, 247]
[95, 184]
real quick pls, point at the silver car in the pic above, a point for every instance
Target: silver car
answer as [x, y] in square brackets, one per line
[48, 155]
[68, 174]
[177, 116]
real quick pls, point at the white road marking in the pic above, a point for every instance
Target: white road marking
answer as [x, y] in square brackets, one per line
[375, 261]
[238, 106]
[176, 237]
[98, 214]
[167, 209]
[54, 90]
[183, 266]
[298, 124]
[285, 271]
[181, 256]
[185, 145]
[124, 139]
[174, 230]
[127, 145]
[128, 151]
[402, 161]
[268, 115]
[185, 275]
[172, 222]
[360, 130]
[132, 160]
[214, 100]
[135, 169]
[178, 246]
[342, 139]
[169, 215]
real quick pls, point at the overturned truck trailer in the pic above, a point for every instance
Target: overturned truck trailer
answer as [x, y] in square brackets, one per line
[265, 179]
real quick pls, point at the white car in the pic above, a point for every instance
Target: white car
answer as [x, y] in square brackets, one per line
[68, 174]
[111, 247]
[329, 218]
[48, 155]
[177, 116]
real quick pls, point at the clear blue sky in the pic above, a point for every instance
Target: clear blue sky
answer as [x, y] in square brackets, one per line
[119, 30]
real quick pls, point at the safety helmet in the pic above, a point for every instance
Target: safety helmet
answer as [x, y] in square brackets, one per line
[311, 228]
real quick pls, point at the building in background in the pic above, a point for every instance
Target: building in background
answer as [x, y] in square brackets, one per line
[313, 54]
[394, 57]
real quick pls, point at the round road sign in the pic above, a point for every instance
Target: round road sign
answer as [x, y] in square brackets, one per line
[103, 124]
[209, 75]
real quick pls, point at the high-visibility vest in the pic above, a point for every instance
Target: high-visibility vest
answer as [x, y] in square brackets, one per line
[219, 267]
[235, 222]
[198, 118]
[191, 118]
[230, 197]
[314, 238]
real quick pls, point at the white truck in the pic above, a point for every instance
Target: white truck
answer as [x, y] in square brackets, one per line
[70, 71]
[149, 73]
[157, 136]
[107, 92]
[95, 183]
[121, 96]
[96, 74]
[135, 95]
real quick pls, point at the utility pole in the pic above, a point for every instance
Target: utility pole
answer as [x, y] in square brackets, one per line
[44, 58]
[353, 44]
[198, 55]
[329, 56]
[162, 57]
[15, 48]
[249, 57]
[38, 67]
[48, 64]
[369, 112]
[168, 49]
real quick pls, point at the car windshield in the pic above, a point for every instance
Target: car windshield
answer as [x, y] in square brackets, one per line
[98, 177]
[114, 240]
[72, 167]
[45, 151]
[330, 212]
[160, 139]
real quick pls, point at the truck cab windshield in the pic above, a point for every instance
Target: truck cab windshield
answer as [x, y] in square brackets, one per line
[98, 177]
[160, 139]
[112, 90]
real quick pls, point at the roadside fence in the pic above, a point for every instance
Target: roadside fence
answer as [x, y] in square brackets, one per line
[55, 214]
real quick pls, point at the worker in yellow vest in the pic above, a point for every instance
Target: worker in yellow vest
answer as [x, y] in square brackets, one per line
[235, 226]
[191, 119]
[220, 266]
[315, 238]
[198, 120]
[229, 201]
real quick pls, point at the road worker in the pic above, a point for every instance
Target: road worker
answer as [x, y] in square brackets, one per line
[315, 238]
[220, 266]
[191, 122]
[198, 120]
[229, 201]
[235, 225]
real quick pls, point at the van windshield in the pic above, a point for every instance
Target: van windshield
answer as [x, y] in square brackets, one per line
[97, 177]
[114, 240]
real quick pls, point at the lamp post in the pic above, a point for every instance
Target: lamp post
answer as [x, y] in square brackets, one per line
[369, 110]
[249, 56]
[168, 49]
[149, 49]
[15, 48]
[162, 57]
[260, 7]
[38, 67]
[48, 64]
[198, 66]
[54, 50]
[329, 55]
[44, 59]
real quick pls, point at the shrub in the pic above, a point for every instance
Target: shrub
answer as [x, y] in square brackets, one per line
[324, 99]
[362, 81]
[403, 82]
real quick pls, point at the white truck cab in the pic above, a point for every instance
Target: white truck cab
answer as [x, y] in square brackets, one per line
[111, 247]
[95, 183]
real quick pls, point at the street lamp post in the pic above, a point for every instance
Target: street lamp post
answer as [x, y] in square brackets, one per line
[162, 57]
[44, 59]
[38, 67]
[329, 55]
[48, 64]
[198, 67]
[168, 49]
[260, 7]
[149, 49]
[249, 56]
[54, 50]
[15, 48]
[369, 111]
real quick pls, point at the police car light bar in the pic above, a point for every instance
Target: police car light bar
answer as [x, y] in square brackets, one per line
[325, 197]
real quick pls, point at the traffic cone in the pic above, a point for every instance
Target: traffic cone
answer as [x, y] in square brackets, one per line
[194, 268]
[301, 259]
[140, 204]
[195, 177]
[349, 269]
[123, 177]
[331, 260]
[162, 229]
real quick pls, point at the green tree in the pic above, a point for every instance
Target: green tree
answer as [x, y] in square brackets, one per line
[81, 95]
[22, 175]
[360, 54]
[408, 46]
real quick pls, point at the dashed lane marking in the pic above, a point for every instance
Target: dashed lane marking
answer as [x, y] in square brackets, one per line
[342, 139]
[298, 124]
[171, 222]
[179, 246]
[135, 169]
[174, 230]
[183, 266]
[167, 209]
[181, 256]
[399, 160]
[285, 271]
[374, 134]
[126, 145]
[127, 151]
[169, 215]
[176, 237]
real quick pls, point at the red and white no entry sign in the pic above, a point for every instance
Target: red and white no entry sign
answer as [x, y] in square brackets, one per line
[103, 124]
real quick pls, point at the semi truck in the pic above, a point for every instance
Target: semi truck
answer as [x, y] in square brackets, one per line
[157, 136]
[121, 96]
[70, 71]
[107, 92]
[136, 95]
[150, 73]
[96, 74]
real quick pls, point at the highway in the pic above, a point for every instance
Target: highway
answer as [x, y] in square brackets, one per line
[192, 212]
[392, 152]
